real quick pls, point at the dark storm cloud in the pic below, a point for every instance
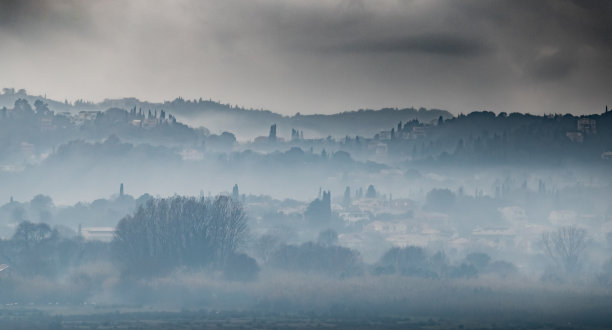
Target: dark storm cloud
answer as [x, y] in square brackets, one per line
[552, 67]
[440, 44]
[320, 56]
[16, 12]
[594, 18]
[31, 18]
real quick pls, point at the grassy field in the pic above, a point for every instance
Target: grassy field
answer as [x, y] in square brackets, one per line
[293, 301]
[126, 317]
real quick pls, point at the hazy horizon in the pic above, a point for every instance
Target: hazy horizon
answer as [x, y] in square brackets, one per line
[332, 111]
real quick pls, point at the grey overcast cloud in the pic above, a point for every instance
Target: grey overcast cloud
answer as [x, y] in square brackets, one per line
[316, 56]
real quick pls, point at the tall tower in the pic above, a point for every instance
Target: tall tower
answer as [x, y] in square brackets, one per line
[121, 190]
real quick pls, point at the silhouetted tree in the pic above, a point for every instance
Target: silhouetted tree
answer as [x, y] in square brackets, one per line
[31, 249]
[240, 267]
[566, 247]
[265, 246]
[440, 199]
[409, 260]
[347, 197]
[328, 237]
[41, 108]
[465, 270]
[319, 210]
[371, 192]
[272, 135]
[235, 192]
[311, 257]
[502, 268]
[479, 260]
[165, 233]
[31, 234]
[23, 106]
[342, 157]
[41, 202]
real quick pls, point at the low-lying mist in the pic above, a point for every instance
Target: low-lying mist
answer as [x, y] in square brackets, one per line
[130, 215]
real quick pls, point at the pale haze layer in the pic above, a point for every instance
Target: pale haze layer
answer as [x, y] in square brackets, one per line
[316, 56]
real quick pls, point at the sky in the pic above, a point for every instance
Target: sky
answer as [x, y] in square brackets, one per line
[324, 56]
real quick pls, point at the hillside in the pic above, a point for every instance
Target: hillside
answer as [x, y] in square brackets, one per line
[218, 117]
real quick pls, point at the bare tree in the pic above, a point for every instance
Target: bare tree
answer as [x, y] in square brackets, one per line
[265, 246]
[566, 247]
[180, 231]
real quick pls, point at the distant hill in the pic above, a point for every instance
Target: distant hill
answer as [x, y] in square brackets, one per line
[10, 95]
[249, 123]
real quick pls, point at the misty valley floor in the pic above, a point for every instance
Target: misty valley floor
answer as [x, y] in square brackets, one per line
[494, 308]
[67, 317]
[309, 301]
